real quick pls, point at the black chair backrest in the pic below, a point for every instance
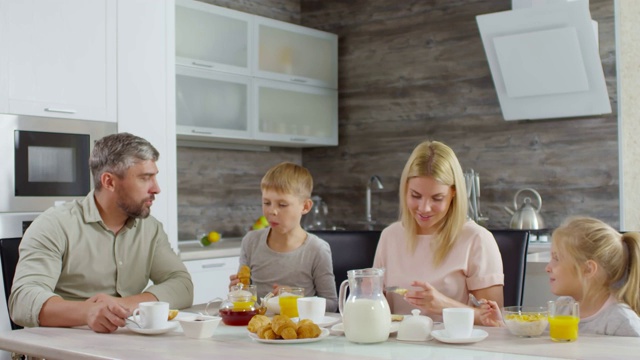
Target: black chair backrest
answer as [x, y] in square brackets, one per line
[350, 250]
[9, 257]
[513, 246]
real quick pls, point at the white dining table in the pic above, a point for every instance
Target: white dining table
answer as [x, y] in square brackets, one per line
[233, 342]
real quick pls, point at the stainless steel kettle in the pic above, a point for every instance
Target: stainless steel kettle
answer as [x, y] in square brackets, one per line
[526, 217]
[316, 219]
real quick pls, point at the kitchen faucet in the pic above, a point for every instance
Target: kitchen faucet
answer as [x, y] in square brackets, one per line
[377, 184]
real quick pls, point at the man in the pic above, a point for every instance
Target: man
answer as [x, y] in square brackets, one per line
[88, 262]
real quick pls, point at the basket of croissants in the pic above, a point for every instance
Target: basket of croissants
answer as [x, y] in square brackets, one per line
[282, 327]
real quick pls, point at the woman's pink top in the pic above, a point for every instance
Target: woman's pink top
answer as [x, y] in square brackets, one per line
[473, 263]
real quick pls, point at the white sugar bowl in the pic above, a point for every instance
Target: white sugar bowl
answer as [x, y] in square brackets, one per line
[415, 328]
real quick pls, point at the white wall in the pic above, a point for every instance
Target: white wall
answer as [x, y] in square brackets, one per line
[627, 13]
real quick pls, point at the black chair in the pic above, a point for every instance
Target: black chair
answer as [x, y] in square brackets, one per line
[350, 250]
[513, 246]
[9, 259]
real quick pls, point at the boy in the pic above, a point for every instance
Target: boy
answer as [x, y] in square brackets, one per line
[284, 253]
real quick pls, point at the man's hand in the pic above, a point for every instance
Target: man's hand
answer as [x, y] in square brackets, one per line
[106, 316]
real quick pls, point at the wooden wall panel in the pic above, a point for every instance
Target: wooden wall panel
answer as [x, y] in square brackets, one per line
[408, 71]
[415, 70]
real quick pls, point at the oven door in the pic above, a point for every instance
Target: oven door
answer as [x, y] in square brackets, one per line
[12, 227]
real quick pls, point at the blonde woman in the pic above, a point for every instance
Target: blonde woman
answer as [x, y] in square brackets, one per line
[433, 250]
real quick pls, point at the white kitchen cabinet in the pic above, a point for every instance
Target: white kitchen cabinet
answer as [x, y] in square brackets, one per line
[213, 104]
[146, 93]
[290, 113]
[58, 58]
[211, 277]
[213, 37]
[246, 79]
[293, 53]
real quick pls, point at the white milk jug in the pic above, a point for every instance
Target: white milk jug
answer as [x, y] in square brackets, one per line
[366, 315]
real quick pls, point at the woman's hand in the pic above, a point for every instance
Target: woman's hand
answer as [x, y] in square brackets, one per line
[428, 299]
[490, 313]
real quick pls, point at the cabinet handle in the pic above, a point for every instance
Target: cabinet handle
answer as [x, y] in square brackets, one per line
[65, 111]
[209, 266]
[298, 139]
[201, 132]
[203, 65]
[299, 80]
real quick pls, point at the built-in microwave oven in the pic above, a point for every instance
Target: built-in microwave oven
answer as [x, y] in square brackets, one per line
[45, 160]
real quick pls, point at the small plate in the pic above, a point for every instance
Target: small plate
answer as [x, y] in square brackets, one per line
[339, 328]
[476, 335]
[170, 326]
[326, 321]
[323, 334]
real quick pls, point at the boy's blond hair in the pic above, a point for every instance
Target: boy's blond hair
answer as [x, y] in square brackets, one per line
[288, 178]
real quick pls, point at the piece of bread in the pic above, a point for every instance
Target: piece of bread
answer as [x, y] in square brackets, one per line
[400, 291]
[395, 317]
[244, 275]
[257, 322]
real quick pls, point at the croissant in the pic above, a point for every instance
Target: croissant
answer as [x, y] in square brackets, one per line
[308, 331]
[266, 332]
[280, 322]
[258, 321]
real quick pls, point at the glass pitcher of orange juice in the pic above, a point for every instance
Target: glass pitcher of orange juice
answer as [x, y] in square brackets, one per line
[564, 317]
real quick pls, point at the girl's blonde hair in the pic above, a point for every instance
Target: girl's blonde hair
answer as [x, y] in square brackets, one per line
[288, 178]
[585, 238]
[435, 159]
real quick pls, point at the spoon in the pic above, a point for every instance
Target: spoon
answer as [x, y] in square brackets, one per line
[474, 301]
[133, 321]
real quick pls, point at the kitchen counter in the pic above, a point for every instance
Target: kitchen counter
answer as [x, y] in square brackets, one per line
[192, 250]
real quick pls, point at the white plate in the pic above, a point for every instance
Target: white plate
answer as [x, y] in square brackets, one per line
[170, 326]
[476, 335]
[339, 328]
[323, 334]
[326, 321]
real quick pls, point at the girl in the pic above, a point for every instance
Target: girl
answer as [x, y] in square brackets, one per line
[598, 267]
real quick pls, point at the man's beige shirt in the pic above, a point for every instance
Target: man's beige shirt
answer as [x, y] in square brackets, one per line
[69, 252]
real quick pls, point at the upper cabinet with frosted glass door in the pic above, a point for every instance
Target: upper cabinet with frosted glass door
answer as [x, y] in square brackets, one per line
[213, 37]
[293, 53]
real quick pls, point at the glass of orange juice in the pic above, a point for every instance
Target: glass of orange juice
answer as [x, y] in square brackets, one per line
[564, 317]
[288, 300]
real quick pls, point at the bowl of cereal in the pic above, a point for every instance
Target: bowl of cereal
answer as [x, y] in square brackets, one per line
[525, 321]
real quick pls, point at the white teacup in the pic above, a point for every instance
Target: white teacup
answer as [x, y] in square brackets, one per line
[152, 314]
[312, 308]
[458, 322]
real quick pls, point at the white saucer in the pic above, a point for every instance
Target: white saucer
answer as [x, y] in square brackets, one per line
[476, 335]
[326, 321]
[170, 326]
[339, 328]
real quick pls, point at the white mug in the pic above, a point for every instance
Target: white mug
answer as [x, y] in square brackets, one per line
[458, 322]
[152, 314]
[312, 308]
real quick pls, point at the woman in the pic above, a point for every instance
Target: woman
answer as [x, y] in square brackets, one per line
[434, 251]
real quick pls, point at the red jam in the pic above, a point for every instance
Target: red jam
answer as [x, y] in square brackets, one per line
[237, 318]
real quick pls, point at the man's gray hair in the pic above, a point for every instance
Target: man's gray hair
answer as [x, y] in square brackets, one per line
[118, 152]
